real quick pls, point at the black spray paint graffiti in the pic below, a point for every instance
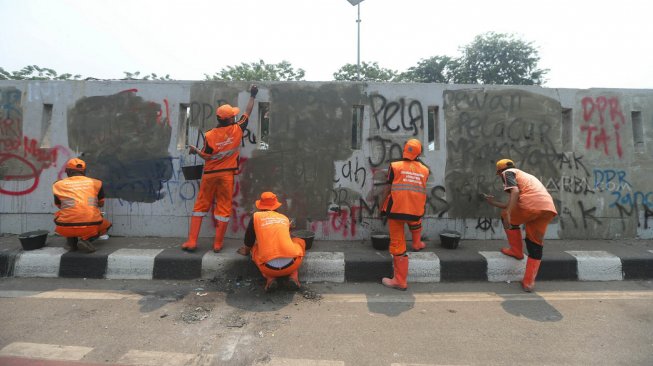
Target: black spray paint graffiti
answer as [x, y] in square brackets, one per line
[411, 117]
[436, 204]
[386, 151]
[587, 215]
[484, 224]
[353, 173]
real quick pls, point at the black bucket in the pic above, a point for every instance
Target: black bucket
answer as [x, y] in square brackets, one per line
[449, 239]
[192, 172]
[33, 239]
[381, 241]
[307, 235]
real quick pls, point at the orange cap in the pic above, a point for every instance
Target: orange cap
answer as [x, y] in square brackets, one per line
[226, 111]
[268, 201]
[504, 164]
[76, 164]
[412, 149]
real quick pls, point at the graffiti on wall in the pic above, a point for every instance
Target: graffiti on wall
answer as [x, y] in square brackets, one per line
[602, 120]
[21, 157]
[486, 125]
[124, 140]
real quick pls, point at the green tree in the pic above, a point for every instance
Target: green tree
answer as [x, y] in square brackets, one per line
[34, 72]
[259, 71]
[497, 58]
[137, 76]
[370, 71]
[436, 69]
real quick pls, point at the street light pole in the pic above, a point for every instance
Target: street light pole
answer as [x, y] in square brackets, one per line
[358, 45]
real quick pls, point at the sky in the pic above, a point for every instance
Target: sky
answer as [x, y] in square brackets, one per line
[583, 43]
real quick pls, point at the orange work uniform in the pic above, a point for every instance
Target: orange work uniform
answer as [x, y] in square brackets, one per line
[274, 252]
[406, 202]
[535, 208]
[79, 199]
[221, 153]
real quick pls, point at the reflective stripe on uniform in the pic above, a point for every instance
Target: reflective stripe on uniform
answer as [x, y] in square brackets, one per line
[202, 214]
[221, 218]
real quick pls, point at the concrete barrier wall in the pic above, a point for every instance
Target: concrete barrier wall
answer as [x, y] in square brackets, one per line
[592, 149]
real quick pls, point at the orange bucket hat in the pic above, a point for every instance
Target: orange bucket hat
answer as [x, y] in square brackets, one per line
[504, 164]
[268, 201]
[412, 149]
[226, 111]
[76, 164]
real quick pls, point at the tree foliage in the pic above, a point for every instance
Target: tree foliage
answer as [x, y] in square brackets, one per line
[34, 72]
[259, 71]
[436, 69]
[369, 72]
[137, 76]
[497, 58]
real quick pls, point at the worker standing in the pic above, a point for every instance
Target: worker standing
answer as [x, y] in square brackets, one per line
[405, 204]
[529, 203]
[221, 153]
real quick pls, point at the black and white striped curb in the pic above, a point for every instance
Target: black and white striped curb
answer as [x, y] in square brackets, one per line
[426, 267]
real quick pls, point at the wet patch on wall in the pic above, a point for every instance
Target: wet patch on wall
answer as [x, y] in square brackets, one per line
[484, 126]
[124, 140]
[310, 128]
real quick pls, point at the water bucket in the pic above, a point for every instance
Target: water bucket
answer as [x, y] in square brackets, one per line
[449, 239]
[33, 239]
[380, 241]
[192, 172]
[307, 235]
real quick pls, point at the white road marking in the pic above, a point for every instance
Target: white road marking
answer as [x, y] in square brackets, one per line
[597, 265]
[45, 351]
[501, 268]
[299, 362]
[490, 297]
[152, 358]
[421, 364]
[131, 264]
[362, 298]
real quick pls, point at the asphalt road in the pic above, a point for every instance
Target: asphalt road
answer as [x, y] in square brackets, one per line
[226, 322]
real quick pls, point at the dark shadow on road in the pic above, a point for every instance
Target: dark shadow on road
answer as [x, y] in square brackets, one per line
[531, 306]
[390, 302]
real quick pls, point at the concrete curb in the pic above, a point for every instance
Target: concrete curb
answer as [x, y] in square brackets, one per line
[337, 267]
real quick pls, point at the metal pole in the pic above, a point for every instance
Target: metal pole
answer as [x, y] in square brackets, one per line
[358, 62]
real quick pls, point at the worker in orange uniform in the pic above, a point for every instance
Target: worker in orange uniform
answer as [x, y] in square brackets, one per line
[79, 199]
[221, 153]
[405, 204]
[529, 203]
[273, 250]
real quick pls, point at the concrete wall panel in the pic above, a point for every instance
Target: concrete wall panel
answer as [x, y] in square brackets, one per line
[591, 148]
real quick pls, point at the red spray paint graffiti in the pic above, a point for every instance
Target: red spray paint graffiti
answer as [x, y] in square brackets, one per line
[597, 136]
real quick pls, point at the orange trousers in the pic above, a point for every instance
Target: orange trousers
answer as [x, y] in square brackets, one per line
[83, 232]
[218, 187]
[536, 222]
[397, 238]
[270, 272]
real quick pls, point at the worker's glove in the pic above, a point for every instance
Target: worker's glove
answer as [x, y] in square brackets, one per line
[253, 90]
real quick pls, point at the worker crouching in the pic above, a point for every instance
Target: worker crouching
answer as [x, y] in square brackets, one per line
[273, 250]
[79, 199]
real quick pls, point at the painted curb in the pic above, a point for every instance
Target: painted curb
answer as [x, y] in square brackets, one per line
[336, 267]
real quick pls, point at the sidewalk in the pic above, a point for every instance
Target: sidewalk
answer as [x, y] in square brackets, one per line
[329, 261]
